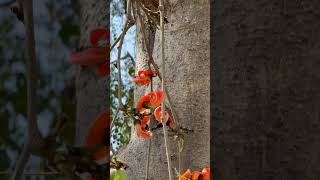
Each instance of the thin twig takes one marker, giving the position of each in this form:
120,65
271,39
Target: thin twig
115,42
21,163
128,23
150,141
114,117
34,135
165,133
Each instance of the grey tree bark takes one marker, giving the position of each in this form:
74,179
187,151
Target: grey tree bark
92,92
266,90
187,80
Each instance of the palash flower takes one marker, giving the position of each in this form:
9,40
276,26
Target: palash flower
168,119
186,175
204,175
140,128
152,99
196,175
144,77
97,133
95,55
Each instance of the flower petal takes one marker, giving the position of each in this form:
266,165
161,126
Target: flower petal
98,129
141,81
90,56
143,101
157,98
157,113
140,132
206,173
196,175
145,120
186,175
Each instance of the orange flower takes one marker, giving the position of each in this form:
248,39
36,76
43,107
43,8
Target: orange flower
144,121
158,116
186,175
144,77
96,56
142,132
206,173
152,99
97,133
196,175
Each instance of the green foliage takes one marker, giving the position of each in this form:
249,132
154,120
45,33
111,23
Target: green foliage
122,126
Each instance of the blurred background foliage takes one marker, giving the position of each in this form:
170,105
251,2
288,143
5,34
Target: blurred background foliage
57,33
121,131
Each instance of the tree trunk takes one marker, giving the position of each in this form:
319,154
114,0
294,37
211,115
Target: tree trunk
266,90
92,89
92,96
187,80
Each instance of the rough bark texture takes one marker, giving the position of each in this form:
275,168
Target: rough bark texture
187,79
266,90
92,97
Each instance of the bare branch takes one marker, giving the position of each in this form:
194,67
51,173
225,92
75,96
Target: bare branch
127,25
21,163
34,139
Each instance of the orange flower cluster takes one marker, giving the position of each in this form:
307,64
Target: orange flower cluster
196,175
150,100
95,55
